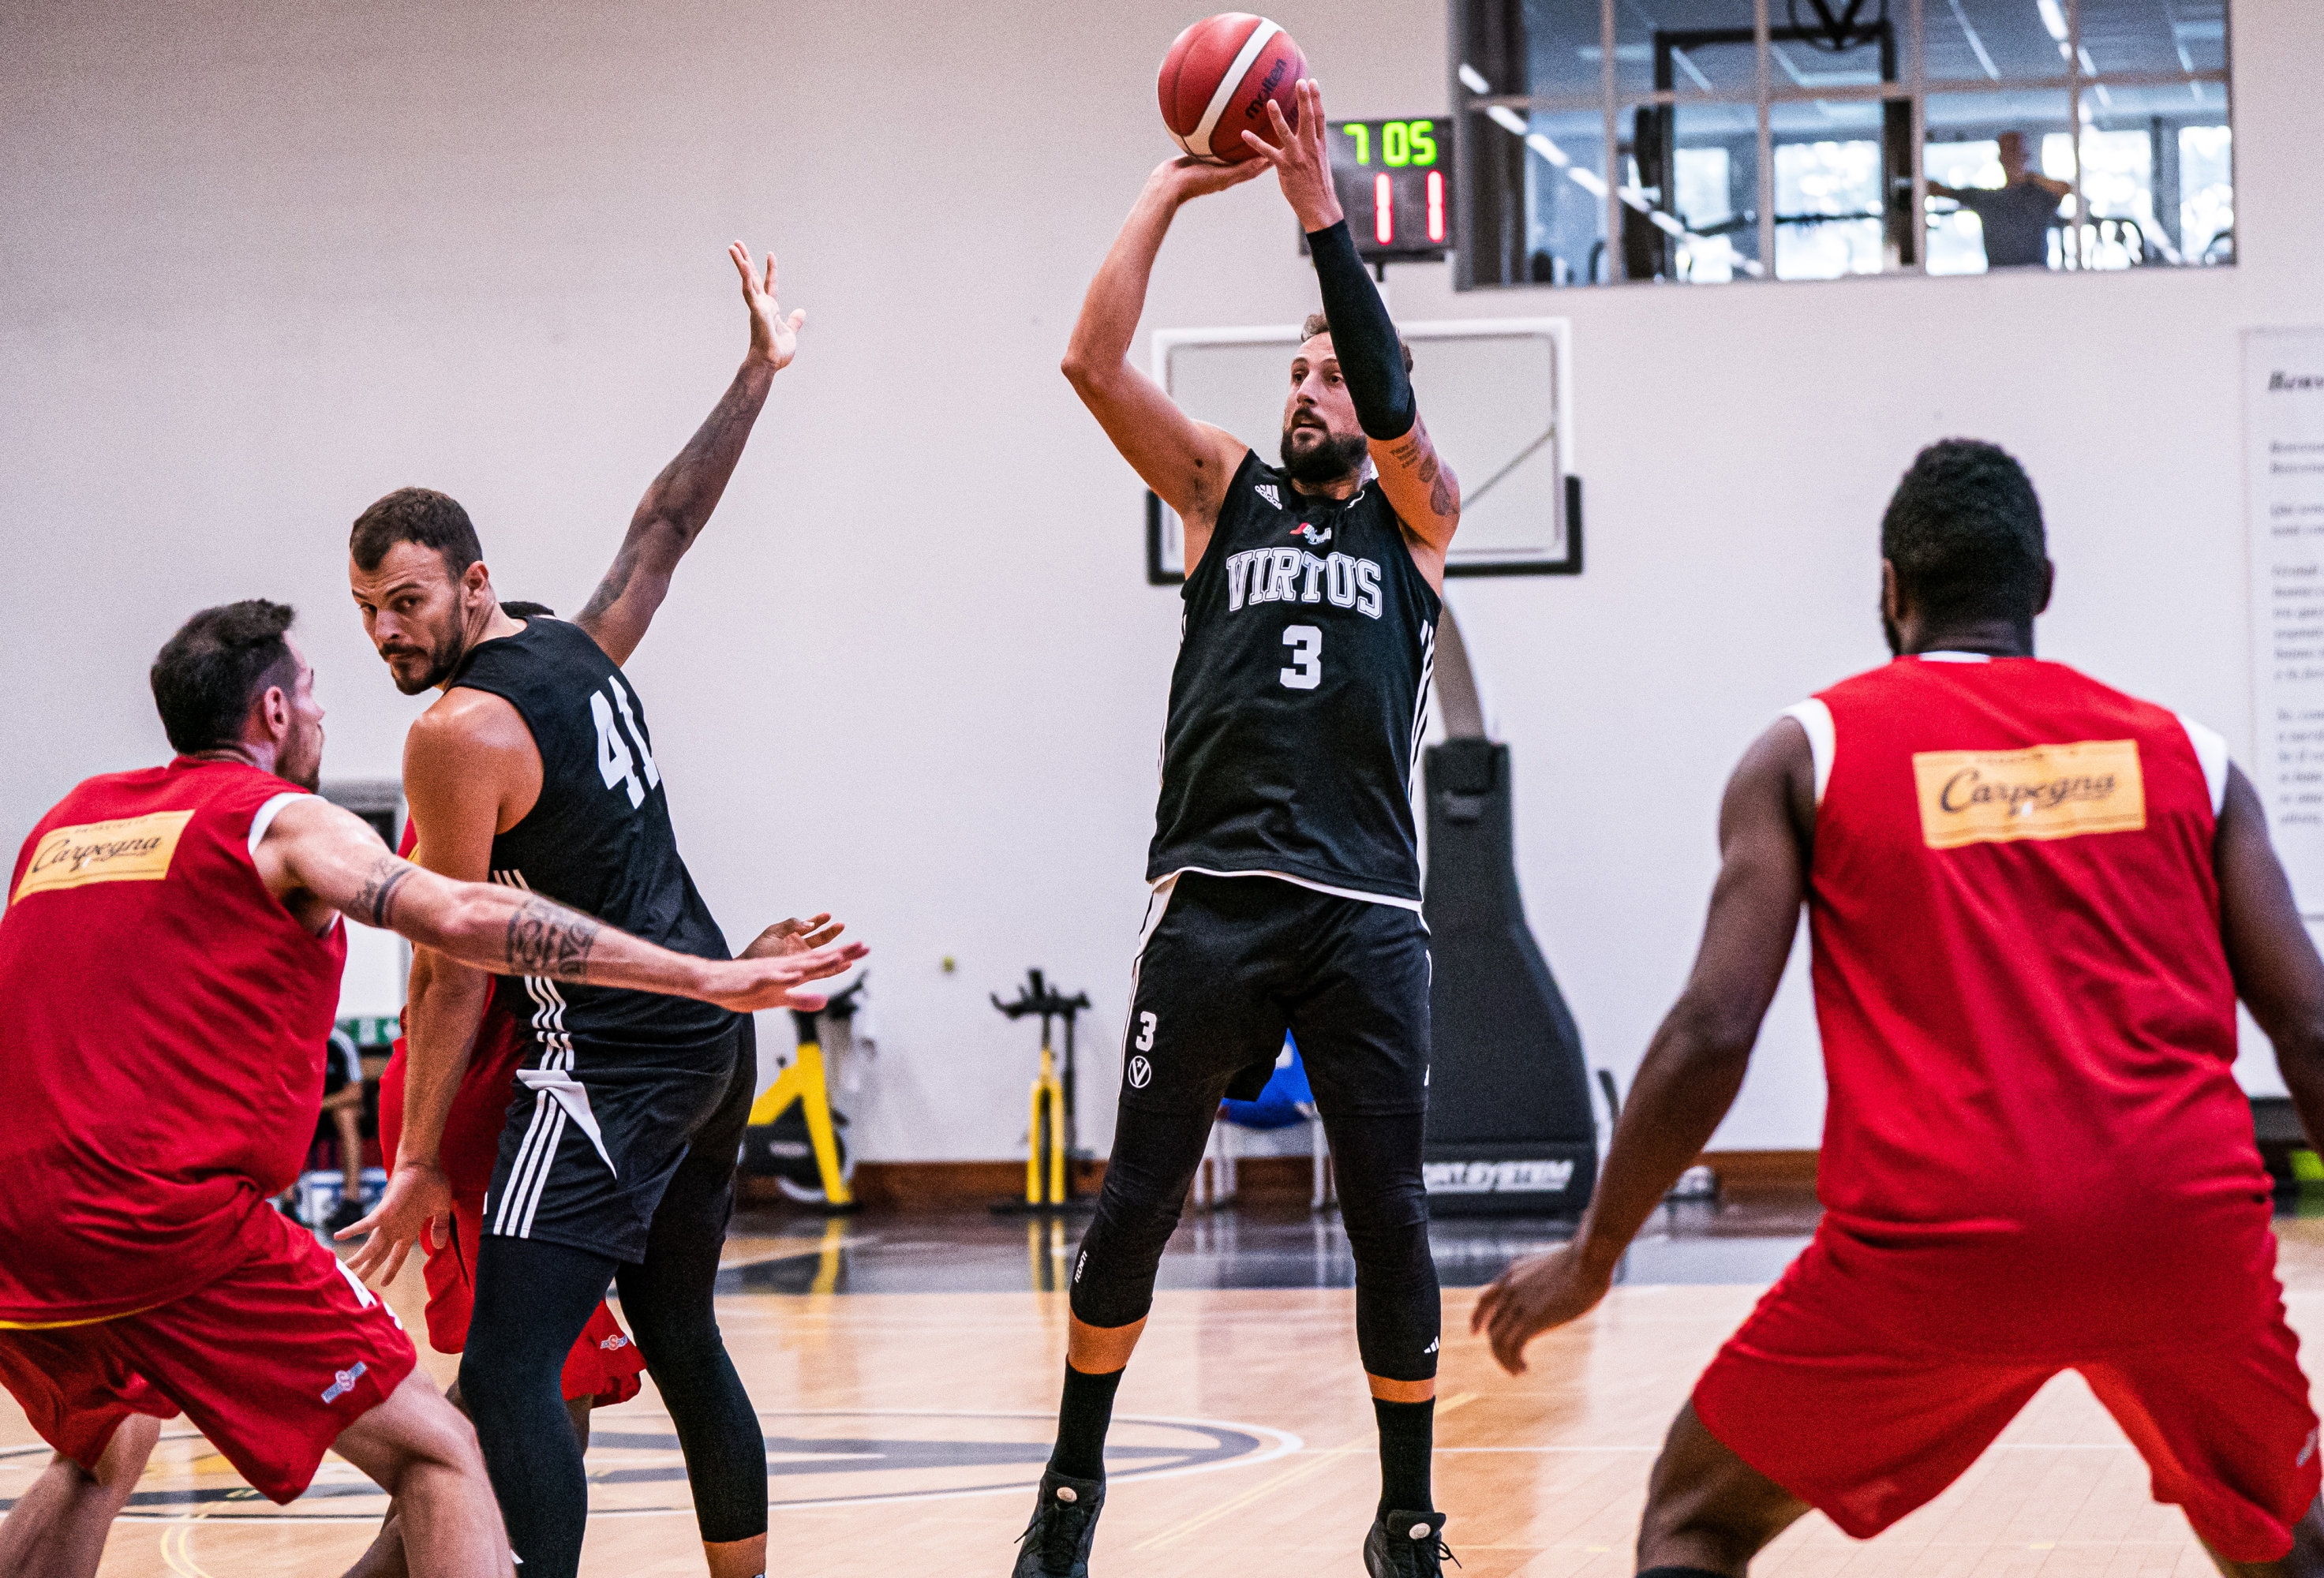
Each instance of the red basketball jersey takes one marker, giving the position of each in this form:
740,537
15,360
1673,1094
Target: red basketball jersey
161,1050
2029,1026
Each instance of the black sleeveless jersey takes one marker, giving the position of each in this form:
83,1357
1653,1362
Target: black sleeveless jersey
599,837
1300,692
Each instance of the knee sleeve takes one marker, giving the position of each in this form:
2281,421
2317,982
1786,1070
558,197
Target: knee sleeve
1384,1205
1154,1159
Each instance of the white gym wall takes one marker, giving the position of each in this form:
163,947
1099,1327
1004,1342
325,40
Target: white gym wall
260,262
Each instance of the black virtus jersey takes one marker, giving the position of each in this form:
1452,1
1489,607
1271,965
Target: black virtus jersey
598,839
1300,692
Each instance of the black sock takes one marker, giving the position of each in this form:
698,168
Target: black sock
1408,1434
1082,1414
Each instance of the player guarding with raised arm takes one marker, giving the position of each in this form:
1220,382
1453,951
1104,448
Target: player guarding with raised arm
2034,902
1285,865
617,1160
170,958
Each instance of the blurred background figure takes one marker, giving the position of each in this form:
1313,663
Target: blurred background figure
2015,215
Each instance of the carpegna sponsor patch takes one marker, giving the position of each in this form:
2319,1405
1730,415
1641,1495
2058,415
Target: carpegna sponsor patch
2049,791
135,849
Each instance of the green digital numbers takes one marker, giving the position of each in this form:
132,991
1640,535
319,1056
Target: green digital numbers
1402,144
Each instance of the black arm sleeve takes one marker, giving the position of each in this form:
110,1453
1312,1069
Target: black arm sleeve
1371,358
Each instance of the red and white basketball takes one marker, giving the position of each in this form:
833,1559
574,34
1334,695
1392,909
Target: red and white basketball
1217,78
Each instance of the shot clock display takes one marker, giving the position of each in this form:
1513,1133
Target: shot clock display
1395,179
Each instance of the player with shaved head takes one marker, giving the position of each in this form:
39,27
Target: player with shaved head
1285,866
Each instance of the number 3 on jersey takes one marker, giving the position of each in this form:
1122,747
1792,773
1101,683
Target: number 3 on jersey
1306,670
616,765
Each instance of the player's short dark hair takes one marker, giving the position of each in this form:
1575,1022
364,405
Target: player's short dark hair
517,608
1318,324
208,673
1964,530
420,515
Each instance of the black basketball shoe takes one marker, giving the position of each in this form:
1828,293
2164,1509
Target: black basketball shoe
1056,1543
1407,1544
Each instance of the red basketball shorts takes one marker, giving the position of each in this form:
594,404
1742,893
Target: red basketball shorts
603,1365
271,1361
1838,1388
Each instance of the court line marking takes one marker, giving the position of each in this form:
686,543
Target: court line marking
1171,1534
1284,1443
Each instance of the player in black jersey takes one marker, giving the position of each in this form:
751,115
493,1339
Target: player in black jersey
1284,861
537,768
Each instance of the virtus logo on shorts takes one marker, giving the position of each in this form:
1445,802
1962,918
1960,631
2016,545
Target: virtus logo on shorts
345,1381
1141,1073
2049,791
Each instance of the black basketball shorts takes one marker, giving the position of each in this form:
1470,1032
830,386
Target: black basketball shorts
595,1134
1231,963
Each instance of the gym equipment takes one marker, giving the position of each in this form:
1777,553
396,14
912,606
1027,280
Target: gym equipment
801,1150
1216,80
1511,1127
1051,1130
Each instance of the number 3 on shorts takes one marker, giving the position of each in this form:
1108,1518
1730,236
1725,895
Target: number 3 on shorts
1306,670
1145,1042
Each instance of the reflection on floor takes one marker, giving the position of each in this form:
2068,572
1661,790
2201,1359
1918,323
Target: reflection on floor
1746,1240
905,1429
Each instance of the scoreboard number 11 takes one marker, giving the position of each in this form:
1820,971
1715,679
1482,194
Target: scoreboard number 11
1393,187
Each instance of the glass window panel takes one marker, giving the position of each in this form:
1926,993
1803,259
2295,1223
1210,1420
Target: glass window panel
2206,195
1983,227
1565,188
1561,49
1828,213
1974,41
2154,35
1716,197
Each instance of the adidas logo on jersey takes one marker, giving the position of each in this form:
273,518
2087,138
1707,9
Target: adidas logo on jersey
1267,490
1316,536
1431,1348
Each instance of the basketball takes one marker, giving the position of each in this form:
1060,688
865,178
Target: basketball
1217,78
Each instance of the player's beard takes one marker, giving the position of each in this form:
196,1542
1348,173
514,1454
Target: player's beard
442,660
1335,458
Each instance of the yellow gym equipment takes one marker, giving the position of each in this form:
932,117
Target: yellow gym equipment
1049,1135
804,1082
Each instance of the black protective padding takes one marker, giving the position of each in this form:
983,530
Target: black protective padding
1510,1126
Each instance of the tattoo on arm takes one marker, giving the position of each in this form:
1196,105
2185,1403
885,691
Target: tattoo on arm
376,900
548,939
1415,452
677,506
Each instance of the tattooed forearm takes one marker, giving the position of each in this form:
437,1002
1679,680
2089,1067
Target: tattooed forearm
376,900
548,939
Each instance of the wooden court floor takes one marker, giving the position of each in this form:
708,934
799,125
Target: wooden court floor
1245,1447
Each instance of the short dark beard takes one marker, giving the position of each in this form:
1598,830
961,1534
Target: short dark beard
442,663
1335,459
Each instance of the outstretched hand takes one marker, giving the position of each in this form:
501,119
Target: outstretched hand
774,338
795,935
778,980
1300,160
1531,1297
1186,177
416,1196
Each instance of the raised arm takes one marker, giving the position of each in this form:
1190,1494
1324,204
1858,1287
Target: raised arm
2277,972
678,505
1420,486
1188,463
1695,1064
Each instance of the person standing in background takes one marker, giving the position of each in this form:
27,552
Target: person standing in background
2015,215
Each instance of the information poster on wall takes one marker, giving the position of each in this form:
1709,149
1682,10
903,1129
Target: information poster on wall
2284,498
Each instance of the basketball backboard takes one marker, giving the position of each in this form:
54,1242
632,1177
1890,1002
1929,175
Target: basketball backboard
1498,397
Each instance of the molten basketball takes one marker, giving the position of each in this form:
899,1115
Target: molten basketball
1217,78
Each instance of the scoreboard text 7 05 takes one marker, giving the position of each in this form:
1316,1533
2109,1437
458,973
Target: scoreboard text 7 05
1395,179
